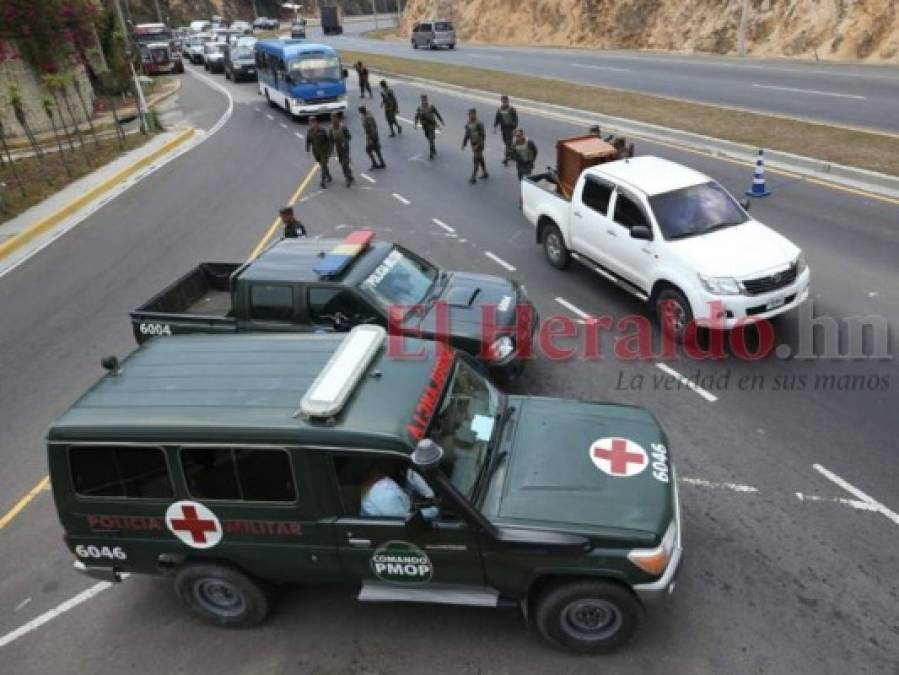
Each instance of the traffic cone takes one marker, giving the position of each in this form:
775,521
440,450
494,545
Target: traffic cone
758,180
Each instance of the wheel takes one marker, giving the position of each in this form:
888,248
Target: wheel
431,45
414,44
588,617
555,249
452,46
222,595
227,74
681,315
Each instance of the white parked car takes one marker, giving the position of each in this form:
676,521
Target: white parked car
669,234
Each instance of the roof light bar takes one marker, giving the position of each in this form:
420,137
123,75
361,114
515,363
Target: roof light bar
337,380
344,253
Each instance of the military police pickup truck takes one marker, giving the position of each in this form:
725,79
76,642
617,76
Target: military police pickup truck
238,463
672,237
309,285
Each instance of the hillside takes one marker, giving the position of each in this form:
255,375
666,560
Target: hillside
826,29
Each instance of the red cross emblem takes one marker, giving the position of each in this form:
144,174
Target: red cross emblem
618,457
194,524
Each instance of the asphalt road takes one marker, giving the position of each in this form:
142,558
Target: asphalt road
770,583
842,94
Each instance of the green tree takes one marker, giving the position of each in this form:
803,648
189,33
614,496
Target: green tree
15,100
47,103
9,160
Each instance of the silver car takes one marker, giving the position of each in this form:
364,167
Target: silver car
434,34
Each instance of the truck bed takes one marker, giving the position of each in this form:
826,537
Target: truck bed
204,291
548,183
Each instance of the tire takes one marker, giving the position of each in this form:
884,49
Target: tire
588,617
683,313
227,74
222,595
554,247
414,44
431,45
452,46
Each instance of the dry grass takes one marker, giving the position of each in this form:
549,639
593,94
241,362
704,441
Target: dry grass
45,177
864,149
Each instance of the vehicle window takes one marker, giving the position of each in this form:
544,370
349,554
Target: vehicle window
696,210
271,302
140,472
443,26
400,280
596,196
628,213
463,424
246,474
325,302
425,27
314,68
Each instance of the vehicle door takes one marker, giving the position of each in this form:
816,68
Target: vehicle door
444,551
334,307
627,257
270,307
589,220
265,501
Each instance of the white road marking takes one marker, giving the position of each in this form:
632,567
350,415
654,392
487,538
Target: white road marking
571,308
858,494
401,199
735,487
408,121
270,117
22,604
815,92
711,398
282,125
499,261
367,177
49,615
298,135
258,109
440,223
487,56
854,503
590,66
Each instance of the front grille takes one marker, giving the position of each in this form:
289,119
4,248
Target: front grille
771,282
758,309
327,99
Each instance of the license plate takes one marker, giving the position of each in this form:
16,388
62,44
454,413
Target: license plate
774,303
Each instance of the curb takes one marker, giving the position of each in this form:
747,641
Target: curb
821,171
17,241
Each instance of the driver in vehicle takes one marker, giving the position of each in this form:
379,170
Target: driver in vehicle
382,494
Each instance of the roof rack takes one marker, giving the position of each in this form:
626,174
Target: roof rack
337,380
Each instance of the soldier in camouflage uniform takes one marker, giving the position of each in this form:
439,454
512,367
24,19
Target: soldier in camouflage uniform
506,119
391,108
340,138
427,115
477,135
372,142
317,140
524,152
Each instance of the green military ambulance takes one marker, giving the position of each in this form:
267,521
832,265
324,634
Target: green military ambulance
238,463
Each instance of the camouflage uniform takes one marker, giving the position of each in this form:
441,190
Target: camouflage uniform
391,110
524,154
477,135
340,141
372,142
428,117
320,144
507,120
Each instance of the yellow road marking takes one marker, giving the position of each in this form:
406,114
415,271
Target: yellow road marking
275,225
43,484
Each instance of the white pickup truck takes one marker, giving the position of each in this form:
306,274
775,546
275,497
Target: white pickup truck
671,236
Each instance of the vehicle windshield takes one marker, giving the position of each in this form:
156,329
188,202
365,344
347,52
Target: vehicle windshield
146,38
314,68
696,210
399,280
463,424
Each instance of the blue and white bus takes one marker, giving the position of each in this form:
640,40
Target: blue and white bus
301,77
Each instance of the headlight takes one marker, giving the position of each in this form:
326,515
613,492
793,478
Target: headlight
655,560
501,348
720,285
800,263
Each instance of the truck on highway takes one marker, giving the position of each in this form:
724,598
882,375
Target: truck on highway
237,464
158,51
330,18
298,285
672,237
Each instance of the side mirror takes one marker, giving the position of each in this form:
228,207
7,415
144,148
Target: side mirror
745,204
641,232
416,521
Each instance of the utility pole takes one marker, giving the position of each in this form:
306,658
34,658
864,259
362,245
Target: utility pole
138,91
158,12
255,10
744,18
374,13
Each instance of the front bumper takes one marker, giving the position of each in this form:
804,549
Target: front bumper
743,308
654,594
109,574
340,105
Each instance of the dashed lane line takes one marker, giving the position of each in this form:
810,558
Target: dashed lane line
814,92
708,396
590,66
853,503
858,494
401,199
734,487
440,223
499,261
298,135
270,117
572,308
282,125
367,177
